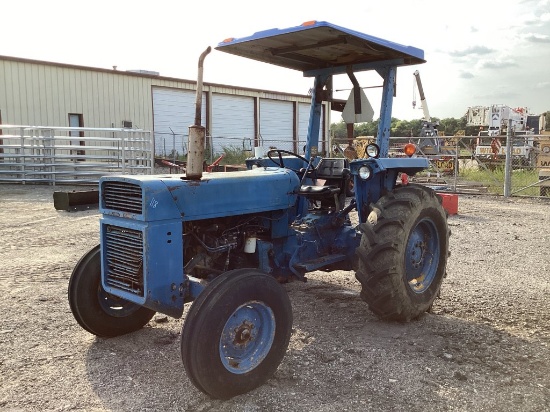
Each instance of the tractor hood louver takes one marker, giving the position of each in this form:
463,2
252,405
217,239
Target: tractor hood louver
123,250
122,196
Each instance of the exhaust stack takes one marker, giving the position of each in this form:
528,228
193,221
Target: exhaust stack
197,132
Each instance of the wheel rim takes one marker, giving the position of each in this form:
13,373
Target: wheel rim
115,306
422,256
247,337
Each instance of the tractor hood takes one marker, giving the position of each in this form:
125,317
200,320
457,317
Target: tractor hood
153,198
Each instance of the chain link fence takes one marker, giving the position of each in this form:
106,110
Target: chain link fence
460,164
477,164
515,165
173,146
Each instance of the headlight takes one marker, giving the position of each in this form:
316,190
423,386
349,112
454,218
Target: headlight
373,150
365,172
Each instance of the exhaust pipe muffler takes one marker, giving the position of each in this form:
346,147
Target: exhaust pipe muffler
197,132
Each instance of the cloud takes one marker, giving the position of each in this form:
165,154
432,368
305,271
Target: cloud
535,4
475,50
466,75
543,85
496,64
536,19
536,38
497,96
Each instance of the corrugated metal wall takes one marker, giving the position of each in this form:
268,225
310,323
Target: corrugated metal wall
42,94
39,93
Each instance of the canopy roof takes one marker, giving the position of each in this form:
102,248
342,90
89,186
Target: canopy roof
321,45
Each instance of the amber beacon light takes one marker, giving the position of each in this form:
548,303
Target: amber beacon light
409,149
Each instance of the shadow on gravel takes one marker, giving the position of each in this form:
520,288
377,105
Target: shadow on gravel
478,218
141,370
340,357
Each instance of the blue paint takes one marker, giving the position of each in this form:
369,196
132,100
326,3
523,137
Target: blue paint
247,337
171,197
413,53
164,286
160,234
422,255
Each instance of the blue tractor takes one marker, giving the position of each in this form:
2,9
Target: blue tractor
226,241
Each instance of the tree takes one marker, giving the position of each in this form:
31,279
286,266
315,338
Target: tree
339,130
367,129
405,128
451,125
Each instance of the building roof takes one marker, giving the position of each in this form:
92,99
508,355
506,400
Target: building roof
140,73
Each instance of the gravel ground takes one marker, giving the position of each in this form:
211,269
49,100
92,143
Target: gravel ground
484,347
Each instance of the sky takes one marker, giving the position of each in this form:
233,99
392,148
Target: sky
478,52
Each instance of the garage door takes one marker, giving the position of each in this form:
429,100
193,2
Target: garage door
232,122
303,123
173,113
277,124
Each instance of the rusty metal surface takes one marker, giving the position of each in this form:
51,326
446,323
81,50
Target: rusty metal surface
75,200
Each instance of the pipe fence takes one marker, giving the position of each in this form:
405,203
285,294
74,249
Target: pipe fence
72,155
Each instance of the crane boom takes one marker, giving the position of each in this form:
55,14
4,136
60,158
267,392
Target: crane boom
429,143
422,97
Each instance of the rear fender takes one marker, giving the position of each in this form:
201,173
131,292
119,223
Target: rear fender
384,173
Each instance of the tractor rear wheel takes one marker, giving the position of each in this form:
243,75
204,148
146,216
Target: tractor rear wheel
97,311
236,333
403,253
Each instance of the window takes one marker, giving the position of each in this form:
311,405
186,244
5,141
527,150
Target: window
76,120
1,140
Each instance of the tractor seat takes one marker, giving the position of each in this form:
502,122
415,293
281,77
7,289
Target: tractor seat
335,172
319,191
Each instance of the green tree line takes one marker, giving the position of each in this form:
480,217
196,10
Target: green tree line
410,128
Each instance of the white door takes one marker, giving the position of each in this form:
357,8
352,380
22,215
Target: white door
277,125
232,122
173,113
303,123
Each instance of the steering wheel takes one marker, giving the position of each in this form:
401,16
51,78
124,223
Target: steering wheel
281,163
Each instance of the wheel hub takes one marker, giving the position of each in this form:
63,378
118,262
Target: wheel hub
422,256
247,337
243,334
418,253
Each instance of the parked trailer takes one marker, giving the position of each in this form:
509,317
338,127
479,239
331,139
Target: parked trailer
493,122
225,241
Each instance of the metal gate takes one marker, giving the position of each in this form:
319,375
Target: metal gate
30,154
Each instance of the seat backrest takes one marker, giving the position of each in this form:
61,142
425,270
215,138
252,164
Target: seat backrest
331,168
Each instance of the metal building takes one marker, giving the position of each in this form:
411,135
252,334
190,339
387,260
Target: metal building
40,93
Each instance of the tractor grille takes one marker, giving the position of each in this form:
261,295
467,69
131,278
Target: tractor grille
124,258
122,196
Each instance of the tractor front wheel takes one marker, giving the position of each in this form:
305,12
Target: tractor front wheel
236,333
403,253
97,311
